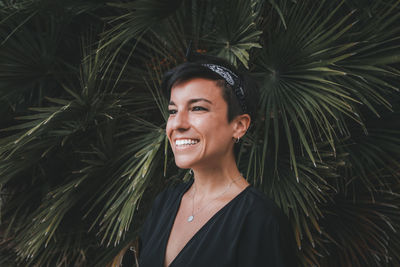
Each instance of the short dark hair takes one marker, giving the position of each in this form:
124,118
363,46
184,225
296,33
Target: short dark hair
195,69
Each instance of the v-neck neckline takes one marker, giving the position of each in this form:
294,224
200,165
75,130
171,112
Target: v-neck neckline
191,240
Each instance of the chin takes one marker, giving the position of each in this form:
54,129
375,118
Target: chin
183,164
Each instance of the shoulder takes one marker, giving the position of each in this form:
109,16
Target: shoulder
261,212
266,237
261,205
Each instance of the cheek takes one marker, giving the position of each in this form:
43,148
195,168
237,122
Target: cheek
214,129
168,130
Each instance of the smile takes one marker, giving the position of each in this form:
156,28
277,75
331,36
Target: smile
186,142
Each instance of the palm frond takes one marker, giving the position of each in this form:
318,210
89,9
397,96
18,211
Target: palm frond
304,93
376,220
83,150
136,18
236,31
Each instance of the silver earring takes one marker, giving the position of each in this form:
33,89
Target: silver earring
237,140
191,171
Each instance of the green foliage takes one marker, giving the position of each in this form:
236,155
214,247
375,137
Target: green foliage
83,150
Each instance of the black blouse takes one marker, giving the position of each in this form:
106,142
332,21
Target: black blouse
248,231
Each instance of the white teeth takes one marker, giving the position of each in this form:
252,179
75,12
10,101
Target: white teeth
182,142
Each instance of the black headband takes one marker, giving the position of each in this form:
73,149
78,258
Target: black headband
233,80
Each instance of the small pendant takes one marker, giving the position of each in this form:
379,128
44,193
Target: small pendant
190,218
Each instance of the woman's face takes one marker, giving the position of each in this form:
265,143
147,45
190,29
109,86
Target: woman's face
198,128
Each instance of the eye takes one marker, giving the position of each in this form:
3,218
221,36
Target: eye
171,111
198,108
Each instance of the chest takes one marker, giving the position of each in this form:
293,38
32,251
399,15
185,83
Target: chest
211,239
184,229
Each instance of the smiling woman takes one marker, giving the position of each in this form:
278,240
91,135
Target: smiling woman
198,118
217,218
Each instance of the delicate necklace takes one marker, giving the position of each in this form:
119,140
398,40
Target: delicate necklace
191,217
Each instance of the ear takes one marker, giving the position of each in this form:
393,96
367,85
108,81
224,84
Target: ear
240,125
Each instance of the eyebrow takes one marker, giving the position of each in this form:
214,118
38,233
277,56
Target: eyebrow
191,101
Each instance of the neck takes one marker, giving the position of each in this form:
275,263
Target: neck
212,179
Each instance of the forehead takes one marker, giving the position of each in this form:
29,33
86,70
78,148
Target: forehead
196,88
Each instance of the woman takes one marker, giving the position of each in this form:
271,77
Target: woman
217,218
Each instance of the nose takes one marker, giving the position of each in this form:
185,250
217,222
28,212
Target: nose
180,121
